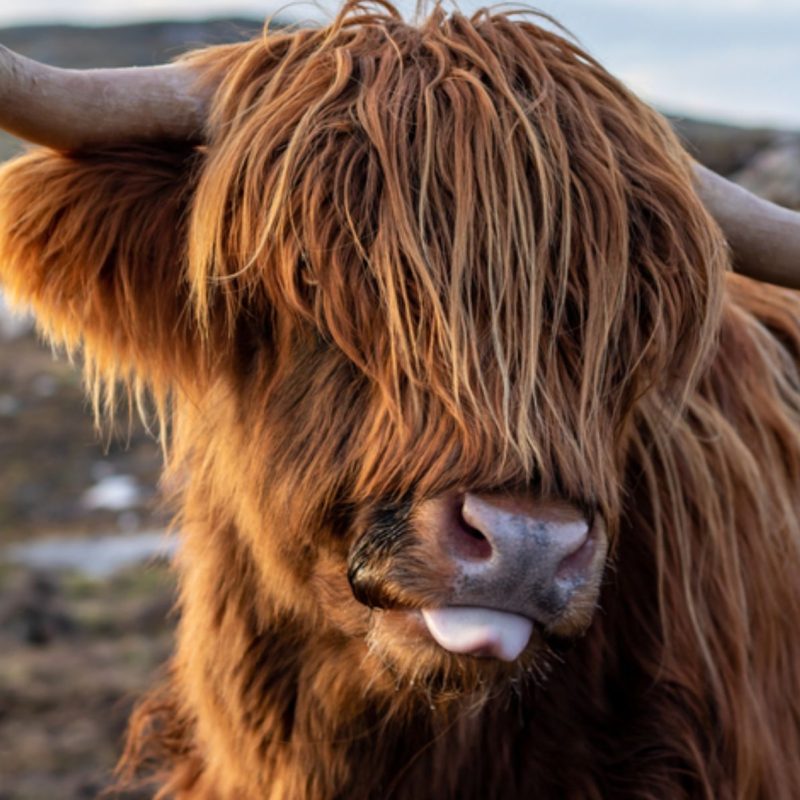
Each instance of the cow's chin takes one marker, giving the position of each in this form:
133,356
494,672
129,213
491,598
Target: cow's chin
403,643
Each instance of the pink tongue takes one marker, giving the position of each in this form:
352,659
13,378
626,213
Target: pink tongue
479,631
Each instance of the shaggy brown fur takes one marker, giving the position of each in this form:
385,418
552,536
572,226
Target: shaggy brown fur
410,259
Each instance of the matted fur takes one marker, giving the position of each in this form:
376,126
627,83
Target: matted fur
412,258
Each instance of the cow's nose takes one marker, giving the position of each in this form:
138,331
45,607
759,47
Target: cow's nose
535,553
538,558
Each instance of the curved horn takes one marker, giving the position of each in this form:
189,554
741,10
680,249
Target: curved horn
70,109
764,238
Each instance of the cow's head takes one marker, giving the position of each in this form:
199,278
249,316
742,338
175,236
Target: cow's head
408,299
452,262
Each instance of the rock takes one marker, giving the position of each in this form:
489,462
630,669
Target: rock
9,405
35,614
115,492
725,149
13,324
774,173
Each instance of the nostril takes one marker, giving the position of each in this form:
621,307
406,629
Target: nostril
471,529
576,564
467,540
473,532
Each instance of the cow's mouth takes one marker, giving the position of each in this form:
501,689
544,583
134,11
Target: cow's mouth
459,631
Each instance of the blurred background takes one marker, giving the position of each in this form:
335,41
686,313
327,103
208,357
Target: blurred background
85,591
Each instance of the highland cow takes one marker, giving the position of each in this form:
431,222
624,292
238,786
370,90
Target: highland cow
486,467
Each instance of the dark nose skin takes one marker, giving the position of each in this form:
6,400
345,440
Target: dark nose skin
535,557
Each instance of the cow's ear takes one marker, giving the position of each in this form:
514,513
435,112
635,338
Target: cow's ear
95,244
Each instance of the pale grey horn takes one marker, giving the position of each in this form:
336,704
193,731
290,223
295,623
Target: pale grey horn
764,238
71,109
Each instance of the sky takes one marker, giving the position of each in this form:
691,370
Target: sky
733,60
